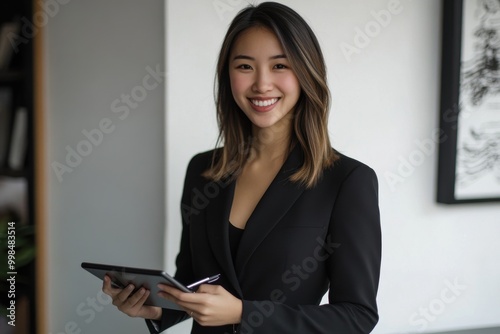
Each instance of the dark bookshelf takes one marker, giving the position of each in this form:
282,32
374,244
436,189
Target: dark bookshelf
17,76
9,77
6,172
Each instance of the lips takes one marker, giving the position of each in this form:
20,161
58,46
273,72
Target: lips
262,105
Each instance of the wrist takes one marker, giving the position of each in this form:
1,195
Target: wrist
238,312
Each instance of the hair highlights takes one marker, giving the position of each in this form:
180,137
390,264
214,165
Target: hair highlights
310,117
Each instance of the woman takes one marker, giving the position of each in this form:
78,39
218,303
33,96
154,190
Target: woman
276,211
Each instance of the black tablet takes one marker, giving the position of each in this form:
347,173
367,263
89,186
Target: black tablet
147,278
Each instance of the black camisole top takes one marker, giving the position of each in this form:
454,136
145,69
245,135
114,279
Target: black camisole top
235,235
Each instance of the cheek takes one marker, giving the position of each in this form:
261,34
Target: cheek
238,84
291,85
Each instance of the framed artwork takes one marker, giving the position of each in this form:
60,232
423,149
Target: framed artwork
469,149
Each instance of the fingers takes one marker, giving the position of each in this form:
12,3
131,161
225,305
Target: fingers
126,300
198,302
209,288
186,300
167,291
208,306
138,298
189,297
124,295
120,297
131,303
107,288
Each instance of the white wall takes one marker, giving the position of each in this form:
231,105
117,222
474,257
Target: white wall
110,207
385,105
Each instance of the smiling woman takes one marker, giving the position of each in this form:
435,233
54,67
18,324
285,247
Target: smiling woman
262,82
291,218
298,57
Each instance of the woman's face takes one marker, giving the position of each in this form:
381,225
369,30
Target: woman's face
262,82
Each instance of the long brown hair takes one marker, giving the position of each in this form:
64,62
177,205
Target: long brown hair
310,119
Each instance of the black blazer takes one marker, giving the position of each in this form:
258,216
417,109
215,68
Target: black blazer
297,244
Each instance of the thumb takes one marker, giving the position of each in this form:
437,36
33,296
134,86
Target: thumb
208,288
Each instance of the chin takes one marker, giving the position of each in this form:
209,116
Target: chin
262,123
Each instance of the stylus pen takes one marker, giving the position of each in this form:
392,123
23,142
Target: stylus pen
205,280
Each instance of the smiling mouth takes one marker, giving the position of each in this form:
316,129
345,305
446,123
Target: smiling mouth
264,103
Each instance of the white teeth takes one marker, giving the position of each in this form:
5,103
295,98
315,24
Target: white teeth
264,103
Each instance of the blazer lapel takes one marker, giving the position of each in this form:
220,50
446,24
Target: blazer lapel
276,201
217,220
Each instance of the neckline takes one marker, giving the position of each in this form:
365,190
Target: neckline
235,227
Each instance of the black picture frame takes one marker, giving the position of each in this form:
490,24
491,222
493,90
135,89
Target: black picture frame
450,108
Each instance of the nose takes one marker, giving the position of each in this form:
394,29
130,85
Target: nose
263,81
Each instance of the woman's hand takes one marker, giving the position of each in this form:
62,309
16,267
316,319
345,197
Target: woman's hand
211,305
131,305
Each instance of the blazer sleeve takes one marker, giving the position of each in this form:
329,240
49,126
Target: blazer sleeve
183,262
353,270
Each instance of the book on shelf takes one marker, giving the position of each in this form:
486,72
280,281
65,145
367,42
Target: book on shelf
9,32
5,112
19,139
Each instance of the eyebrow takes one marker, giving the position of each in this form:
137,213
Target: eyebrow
252,58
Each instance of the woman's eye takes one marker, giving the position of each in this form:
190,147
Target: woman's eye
244,67
280,66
